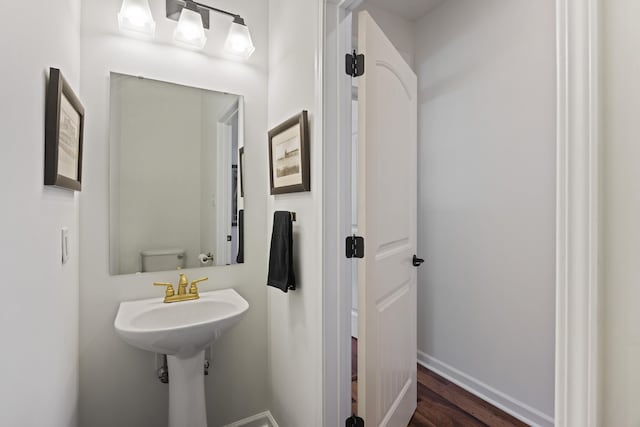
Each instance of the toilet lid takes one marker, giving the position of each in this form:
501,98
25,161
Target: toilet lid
156,252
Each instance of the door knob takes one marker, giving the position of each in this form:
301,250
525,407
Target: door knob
417,261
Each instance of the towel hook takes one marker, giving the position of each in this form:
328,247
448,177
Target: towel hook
293,216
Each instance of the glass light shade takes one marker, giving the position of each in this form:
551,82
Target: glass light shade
190,31
239,41
135,17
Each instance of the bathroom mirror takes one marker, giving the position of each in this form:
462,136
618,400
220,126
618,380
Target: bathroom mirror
175,198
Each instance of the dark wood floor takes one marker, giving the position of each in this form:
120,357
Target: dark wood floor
442,403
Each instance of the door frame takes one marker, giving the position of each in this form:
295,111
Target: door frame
577,213
223,181
337,302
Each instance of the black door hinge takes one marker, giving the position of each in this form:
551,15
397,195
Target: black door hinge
354,421
417,262
354,64
355,247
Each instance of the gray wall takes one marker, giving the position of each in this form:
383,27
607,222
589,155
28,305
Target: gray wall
620,212
486,224
39,357
144,219
118,384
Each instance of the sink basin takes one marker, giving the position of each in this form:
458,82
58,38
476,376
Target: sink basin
180,328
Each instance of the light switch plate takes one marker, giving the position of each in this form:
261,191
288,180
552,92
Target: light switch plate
65,244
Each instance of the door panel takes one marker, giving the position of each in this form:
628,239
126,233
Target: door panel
387,193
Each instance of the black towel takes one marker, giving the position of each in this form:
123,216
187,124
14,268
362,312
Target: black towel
240,257
281,273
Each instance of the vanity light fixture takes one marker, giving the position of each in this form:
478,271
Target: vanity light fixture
239,41
193,18
190,29
135,18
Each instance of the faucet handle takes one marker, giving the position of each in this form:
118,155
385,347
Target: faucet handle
193,289
170,291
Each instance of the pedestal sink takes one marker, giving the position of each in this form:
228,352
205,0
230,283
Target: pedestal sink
182,331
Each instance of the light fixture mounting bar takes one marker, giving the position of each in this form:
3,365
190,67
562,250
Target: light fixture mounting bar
224,12
174,7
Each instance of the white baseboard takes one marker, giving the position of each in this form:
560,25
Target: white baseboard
263,419
354,323
497,398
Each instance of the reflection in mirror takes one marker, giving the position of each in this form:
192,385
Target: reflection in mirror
174,196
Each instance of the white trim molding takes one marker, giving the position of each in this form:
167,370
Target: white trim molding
337,209
354,323
577,284
508,404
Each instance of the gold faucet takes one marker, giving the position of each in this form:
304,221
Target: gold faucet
183,295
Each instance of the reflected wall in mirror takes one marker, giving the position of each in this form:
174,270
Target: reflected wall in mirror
174,196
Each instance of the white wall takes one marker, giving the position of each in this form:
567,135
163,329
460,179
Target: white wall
620,211
295,318
39,357
486,219
118,383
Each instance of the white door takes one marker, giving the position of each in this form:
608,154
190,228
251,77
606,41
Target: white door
387,210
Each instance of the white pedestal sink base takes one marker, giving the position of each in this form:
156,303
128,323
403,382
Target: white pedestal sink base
181,328
186,391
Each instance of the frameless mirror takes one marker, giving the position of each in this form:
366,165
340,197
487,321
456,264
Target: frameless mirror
175,193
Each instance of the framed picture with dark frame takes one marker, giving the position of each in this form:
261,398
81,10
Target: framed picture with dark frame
64,128
289,156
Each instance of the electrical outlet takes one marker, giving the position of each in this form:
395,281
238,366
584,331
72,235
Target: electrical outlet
65,244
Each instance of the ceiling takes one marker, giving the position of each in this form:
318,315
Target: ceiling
411,10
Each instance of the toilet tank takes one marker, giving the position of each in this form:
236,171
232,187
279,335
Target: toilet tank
162,259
